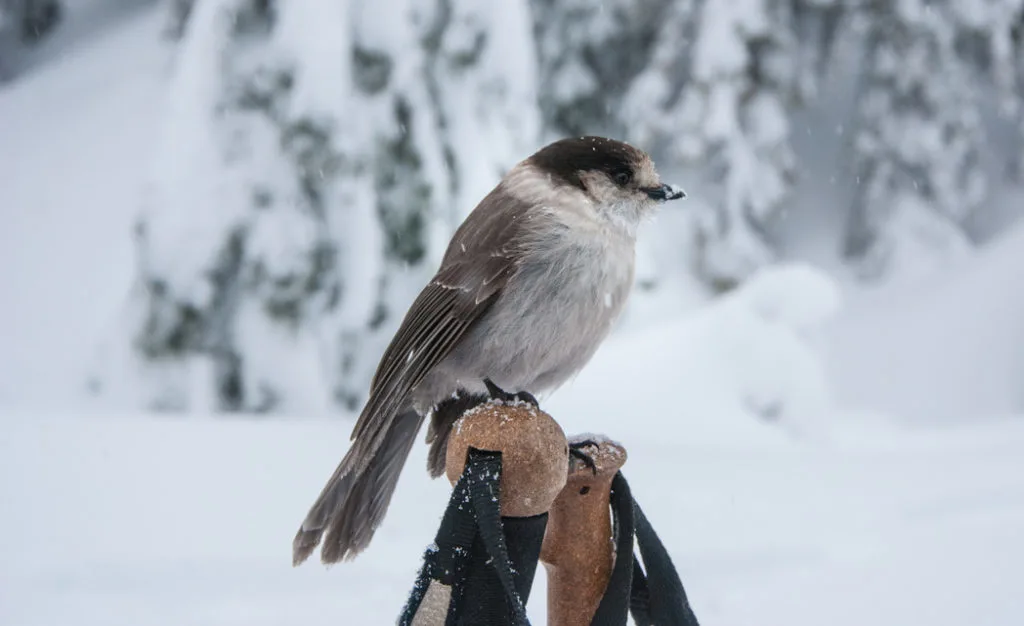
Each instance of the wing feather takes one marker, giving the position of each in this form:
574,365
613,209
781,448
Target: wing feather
482,256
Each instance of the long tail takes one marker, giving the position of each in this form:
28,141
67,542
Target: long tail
355,499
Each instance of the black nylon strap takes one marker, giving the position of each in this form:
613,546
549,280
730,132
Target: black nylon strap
640,596
614,607
669,605
652,598
485,601
488,561
447,560
419,589
483,469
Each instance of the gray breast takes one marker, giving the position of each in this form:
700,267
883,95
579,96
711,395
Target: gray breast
553,314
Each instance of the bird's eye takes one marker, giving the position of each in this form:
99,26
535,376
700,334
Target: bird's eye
622,178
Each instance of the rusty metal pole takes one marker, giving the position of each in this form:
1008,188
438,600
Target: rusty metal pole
578,550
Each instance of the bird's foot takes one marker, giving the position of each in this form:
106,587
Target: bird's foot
497,393
576,452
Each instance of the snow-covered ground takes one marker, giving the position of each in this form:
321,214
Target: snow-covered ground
131,519
784,441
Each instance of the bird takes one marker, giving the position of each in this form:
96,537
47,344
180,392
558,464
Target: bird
530,285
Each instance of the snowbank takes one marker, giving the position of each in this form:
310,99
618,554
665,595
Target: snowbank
734,369
942,349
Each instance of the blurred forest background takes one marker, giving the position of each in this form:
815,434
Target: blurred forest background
316,155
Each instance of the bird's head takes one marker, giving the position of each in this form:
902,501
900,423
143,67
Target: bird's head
620,181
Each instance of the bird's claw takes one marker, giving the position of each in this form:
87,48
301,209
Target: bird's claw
575,451
527,397
497,393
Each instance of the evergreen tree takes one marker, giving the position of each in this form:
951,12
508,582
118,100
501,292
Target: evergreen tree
990,36
178,13
920,142
319,155
23,23
314,166
589,53
717,96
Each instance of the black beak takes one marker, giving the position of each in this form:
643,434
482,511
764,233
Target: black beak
665,192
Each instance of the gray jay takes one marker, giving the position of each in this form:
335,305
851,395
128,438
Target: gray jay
528,288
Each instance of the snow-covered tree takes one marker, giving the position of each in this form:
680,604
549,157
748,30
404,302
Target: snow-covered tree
31,19
178,13
316,158
990,36
920,142
589,53
319,154
717,95
1015,85
22,23
482,86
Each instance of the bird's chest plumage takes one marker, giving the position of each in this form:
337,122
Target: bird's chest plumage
554,313
579,291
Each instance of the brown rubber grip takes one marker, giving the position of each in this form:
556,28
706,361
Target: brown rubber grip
578,550
534,453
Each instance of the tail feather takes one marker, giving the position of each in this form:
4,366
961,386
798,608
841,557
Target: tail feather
353,502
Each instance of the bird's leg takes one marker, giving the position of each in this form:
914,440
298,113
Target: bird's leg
497,393
459,402
575,451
